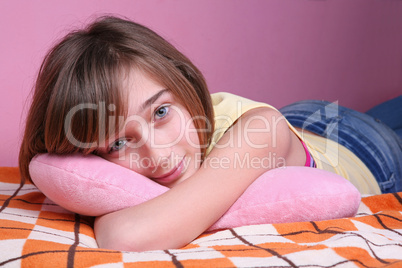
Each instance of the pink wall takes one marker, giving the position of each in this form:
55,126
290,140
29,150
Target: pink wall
276,51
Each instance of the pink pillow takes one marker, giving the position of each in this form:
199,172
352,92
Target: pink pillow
92,186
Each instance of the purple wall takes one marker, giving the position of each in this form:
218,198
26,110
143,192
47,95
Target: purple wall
275,51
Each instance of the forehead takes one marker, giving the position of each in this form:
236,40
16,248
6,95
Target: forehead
140,80
139,86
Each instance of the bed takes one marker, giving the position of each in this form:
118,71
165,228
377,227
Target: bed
34,232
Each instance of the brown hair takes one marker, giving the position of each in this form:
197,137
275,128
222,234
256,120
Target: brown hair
86,67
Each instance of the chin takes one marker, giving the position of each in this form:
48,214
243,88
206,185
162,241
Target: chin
176,182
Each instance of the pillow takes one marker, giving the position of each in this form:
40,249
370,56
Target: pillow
93,186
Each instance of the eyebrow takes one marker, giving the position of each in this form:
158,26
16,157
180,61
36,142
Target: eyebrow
152,99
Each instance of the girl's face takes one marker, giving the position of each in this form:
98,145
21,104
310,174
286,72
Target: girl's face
159,139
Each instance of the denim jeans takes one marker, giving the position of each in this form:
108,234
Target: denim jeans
376,144
390,113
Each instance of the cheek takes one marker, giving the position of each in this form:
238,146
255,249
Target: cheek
176,130
179,131
122,160
192,136
169,134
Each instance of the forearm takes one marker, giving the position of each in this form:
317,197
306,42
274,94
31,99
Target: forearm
173,219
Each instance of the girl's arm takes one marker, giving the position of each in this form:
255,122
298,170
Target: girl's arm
178,216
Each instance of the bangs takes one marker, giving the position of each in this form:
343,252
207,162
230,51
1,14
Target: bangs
105,115
91,102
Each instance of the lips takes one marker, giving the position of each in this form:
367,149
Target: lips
171,175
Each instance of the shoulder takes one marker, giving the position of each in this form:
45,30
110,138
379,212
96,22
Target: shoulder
269,122
226,100
229,108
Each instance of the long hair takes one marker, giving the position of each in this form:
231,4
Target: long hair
86,69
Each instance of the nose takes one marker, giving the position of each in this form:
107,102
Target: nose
154,156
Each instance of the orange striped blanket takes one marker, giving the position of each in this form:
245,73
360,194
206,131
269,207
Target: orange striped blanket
34,232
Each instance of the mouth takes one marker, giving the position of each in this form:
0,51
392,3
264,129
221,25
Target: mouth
171,175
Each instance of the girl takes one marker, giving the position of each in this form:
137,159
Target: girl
119,90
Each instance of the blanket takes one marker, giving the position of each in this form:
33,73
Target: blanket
35,232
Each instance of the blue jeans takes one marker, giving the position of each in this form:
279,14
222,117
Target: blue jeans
375,143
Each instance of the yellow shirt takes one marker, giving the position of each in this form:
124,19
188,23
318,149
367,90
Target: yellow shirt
327,154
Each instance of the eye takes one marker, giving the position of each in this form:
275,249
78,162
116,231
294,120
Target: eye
117,145
161,112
